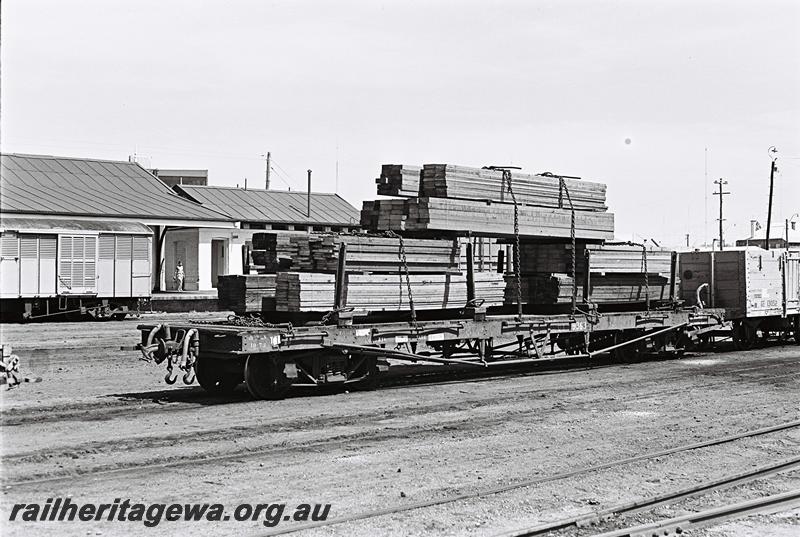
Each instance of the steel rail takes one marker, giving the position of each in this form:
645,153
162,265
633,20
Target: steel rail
710,517
533,481
636,506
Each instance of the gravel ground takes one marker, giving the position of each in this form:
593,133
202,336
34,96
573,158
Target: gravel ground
103,425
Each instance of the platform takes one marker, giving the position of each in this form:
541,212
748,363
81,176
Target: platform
184,301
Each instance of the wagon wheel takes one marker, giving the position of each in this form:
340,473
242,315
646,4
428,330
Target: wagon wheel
265,378
214,379
571,346
370,382
628,353
745,336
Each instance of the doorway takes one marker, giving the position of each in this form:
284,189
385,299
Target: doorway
219,261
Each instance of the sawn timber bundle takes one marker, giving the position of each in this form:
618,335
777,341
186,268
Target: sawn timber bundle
461,182
376,254
251,293
550,289
399,180
482,218
307,291
497,219
617,259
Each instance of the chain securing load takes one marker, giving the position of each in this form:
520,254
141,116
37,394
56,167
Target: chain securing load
401,254
644,267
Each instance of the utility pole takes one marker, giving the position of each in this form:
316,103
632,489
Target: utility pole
773,152
705,196
308,206
269,156
720,193
687,240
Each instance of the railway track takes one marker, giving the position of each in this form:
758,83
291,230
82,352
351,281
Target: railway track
536,481
159,460
173,400
711,517
647,504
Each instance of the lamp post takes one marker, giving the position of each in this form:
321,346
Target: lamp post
773,153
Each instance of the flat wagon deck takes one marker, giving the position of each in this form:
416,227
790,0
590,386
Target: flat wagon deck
271,358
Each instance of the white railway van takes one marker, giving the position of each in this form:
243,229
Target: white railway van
68,268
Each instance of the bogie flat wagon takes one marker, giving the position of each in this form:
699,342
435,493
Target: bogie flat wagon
348,347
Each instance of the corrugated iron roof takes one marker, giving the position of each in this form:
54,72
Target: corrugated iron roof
52,225
39,184
276,206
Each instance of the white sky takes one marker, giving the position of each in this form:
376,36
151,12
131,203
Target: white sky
549,86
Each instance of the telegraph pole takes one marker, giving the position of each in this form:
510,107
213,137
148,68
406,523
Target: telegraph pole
720,193
269,156
773,152
308,196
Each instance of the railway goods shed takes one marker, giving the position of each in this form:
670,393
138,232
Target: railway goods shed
93,230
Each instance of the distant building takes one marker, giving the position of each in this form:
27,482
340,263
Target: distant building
256,209
276,209
48,192
181,177
777,238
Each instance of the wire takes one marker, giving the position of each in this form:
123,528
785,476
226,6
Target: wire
283,172
279,177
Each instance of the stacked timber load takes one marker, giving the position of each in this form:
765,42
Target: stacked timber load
367,253
458,199
381,254
625,259
384,215
551,289
399,180
250,293
272,252
461,182
497,219
303,291
618,259
302,260
617,274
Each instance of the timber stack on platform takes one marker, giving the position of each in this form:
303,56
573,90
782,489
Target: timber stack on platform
250,293
272,252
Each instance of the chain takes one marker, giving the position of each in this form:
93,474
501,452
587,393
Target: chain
562,187
644,267
331,313
238,320
402,255
517,273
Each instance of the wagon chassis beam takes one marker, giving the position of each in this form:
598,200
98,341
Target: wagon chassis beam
540,358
